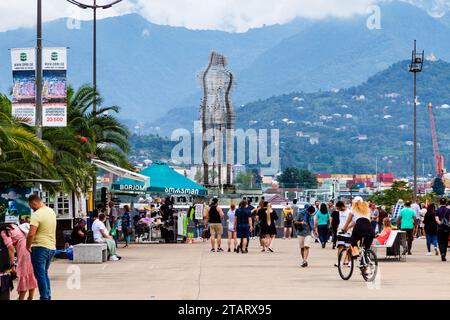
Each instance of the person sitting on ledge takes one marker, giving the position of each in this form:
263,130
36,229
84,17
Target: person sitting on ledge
383,237
101,235
78,233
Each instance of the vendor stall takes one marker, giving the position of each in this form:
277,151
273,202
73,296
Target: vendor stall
164,180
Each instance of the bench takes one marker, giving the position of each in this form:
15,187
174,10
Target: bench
90,253
395,245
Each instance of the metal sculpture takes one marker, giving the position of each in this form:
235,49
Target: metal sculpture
217,116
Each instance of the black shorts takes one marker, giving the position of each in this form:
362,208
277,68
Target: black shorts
362,229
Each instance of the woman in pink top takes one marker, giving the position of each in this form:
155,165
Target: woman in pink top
15,237
384,235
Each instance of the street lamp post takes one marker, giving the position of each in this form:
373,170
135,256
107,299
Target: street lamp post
39,71
415,67
94,8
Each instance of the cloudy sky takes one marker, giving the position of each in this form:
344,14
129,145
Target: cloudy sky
228,15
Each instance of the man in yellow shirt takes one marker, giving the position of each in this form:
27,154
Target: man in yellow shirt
41,242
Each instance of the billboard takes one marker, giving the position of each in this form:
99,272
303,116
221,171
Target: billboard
24,85
54,87
14,204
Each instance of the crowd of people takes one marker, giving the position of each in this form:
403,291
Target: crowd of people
322,222
34,242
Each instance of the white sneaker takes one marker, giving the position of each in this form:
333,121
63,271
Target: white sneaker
113,258
428,253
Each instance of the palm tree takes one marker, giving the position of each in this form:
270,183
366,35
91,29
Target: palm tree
107,137
88,135
64,153
22,154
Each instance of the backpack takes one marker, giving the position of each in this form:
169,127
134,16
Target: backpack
289,217
90,236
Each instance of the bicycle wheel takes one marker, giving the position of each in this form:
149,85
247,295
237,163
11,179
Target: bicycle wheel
345,264
371,268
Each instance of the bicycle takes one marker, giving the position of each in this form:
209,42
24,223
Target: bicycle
368,263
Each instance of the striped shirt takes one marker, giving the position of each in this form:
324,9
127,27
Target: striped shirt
396,211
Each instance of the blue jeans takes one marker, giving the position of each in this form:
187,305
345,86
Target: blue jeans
431,239
323,233
198,229
374,225
41,258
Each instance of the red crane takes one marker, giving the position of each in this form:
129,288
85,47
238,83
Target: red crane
438,158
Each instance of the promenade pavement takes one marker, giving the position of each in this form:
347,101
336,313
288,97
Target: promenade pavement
190,271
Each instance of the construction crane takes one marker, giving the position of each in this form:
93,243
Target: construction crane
438,158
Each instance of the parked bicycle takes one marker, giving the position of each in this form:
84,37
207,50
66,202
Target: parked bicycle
368,263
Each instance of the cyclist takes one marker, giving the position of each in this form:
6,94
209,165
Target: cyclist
360,213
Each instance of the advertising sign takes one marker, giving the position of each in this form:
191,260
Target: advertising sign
54,88
14,204
24,85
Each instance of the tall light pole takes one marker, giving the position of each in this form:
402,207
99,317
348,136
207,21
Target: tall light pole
94,8
415,67
39,71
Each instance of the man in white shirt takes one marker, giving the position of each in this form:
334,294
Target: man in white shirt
101,235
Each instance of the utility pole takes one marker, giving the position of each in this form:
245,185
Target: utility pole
94,8
39,71
415,67
94,59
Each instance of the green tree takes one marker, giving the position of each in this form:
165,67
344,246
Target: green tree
245,180
389,197
438,186
301,178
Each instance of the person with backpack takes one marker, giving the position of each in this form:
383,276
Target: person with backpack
304,229
431,228
214,216
15,239
288,221
443,229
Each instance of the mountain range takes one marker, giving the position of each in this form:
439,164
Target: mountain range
365,128
148,69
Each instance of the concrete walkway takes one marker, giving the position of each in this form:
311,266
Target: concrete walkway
190,271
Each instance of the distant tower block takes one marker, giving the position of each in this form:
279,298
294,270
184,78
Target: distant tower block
216,113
